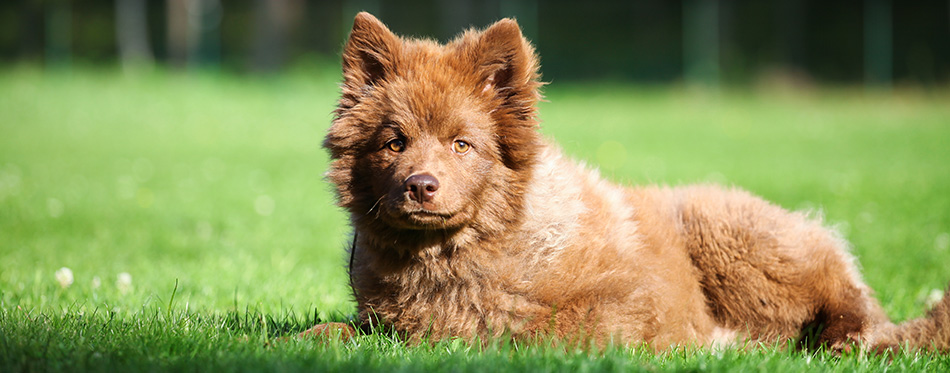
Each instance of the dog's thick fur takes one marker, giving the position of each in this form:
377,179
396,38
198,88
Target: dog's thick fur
503,236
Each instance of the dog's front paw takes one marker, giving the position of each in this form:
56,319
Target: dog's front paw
845,347
330,330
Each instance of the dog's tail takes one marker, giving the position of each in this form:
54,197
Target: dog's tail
931,332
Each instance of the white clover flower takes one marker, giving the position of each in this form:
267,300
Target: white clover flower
65,277
55,208
96,282
124,283
934,297
942,242
264,205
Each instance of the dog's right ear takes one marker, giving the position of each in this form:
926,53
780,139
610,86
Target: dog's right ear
370,53
506,59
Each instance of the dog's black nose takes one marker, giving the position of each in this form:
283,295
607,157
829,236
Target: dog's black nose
422,187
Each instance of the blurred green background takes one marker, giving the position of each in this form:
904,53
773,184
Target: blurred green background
879,42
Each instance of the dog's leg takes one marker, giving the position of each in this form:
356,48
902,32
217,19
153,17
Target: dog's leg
343,332
772,272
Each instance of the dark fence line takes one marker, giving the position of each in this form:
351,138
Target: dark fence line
878,42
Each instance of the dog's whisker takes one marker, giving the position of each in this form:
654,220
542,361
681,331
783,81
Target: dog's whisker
373,207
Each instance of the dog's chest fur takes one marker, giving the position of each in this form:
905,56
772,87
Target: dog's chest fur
519,280
440,292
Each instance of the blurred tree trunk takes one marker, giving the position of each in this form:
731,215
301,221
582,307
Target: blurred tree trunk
455,15
323,30
701,42
273,22
177,29
878,48
59,32
194,32
791,46
132,33
31,31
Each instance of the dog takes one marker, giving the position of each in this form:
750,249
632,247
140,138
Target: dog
468,223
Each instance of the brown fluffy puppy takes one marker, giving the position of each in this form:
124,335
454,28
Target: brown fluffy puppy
468,223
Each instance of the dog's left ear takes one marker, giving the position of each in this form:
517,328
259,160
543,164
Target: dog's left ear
506,60
507,69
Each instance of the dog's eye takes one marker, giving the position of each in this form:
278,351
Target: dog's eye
460,146
396,145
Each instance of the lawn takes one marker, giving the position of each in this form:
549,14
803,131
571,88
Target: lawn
191,213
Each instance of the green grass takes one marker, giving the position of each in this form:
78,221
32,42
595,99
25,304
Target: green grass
207,190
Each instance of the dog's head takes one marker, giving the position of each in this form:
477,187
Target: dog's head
429,136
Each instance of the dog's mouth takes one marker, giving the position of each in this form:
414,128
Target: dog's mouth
422,219
426,218
402,212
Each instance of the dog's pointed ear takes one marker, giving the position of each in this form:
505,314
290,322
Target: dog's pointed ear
370,53
506,69
506,60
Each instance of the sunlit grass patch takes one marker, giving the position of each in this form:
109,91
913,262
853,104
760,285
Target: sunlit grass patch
168,221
